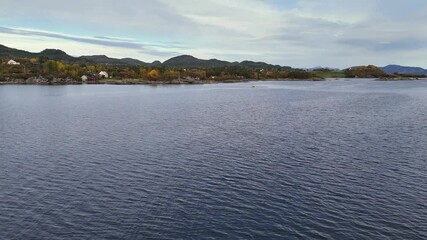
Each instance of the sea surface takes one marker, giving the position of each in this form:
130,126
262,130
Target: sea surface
340,159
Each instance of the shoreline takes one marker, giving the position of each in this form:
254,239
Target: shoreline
58,82
146,82
394,79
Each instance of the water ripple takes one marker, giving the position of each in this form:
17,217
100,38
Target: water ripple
336,160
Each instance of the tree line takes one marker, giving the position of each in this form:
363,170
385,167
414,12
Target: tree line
44,67
35,67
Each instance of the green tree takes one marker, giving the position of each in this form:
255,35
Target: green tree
49,67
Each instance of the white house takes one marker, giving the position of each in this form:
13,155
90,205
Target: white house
103,74
12,62
84,78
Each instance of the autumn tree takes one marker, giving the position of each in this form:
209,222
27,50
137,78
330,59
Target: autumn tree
34,60
154,74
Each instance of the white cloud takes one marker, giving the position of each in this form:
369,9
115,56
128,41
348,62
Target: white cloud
338,10
308,33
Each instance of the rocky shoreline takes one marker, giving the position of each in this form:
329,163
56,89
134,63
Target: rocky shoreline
399,79
70,81
41,81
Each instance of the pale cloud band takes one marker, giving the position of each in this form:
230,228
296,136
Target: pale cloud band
144,48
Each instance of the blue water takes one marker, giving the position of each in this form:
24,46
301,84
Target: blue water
281,160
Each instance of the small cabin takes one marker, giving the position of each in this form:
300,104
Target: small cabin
84,78
103,74
13,62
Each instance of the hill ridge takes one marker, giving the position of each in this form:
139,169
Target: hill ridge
180,61
394,68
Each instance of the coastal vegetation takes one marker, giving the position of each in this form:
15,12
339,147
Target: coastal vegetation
49,71
328,73
56,67
369,71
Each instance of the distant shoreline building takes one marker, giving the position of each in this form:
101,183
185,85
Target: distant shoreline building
103,74
13,62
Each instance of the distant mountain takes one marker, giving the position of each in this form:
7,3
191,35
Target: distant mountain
132,61
59,55
12,52
102,59
56,54
184,61
390,69
187,61
251,64
190,61
156,63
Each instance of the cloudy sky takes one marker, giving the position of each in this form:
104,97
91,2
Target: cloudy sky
299,33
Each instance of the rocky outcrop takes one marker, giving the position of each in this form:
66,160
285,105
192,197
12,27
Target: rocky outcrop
40,80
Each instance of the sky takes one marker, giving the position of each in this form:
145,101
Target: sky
297,33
